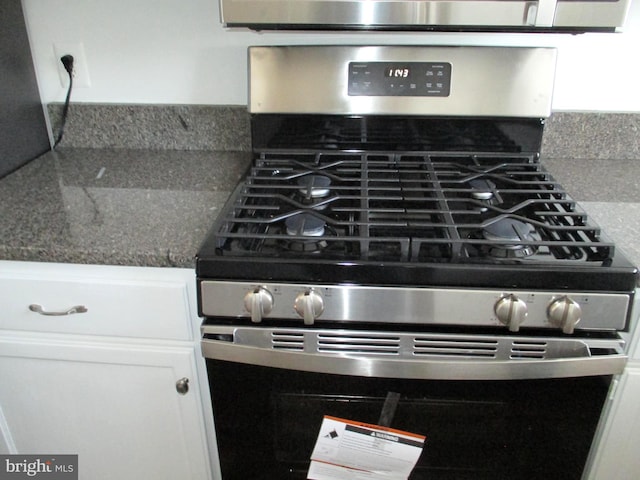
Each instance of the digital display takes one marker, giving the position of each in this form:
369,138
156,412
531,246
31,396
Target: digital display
400,79
397,72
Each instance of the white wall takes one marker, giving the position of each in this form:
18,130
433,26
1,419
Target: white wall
176,52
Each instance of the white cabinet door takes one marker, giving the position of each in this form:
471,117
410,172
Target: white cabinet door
116,406
617,455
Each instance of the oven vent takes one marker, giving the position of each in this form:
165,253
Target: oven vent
287,341
529,349
455,347
358,344
408,345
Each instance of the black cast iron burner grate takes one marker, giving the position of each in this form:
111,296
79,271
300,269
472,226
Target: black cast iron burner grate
407,207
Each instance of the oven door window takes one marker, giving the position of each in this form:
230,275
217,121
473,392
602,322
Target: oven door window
267,421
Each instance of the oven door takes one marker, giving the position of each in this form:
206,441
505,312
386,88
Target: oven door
269,402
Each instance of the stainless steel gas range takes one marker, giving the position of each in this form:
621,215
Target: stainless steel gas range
397,232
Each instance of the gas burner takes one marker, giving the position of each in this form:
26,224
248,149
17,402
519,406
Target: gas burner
483,191
313,191
305,225
511,230
306,246
314,186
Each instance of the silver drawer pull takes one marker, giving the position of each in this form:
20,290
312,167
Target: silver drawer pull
38,309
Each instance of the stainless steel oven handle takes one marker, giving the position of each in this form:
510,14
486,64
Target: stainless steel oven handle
433,369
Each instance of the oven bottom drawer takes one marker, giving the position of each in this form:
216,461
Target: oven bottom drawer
267,421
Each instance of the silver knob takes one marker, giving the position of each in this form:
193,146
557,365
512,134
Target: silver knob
182,386
511,311
565,313
309,305
258,302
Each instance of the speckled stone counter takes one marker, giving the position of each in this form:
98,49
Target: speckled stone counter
609,191
115,206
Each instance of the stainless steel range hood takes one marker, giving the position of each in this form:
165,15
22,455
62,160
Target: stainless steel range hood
430,15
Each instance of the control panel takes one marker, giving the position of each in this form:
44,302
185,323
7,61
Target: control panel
418,79
514,310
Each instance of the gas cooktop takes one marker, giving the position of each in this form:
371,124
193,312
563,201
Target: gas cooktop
476,209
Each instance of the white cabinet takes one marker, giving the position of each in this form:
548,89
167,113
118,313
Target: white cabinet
104,384
617,455
115,406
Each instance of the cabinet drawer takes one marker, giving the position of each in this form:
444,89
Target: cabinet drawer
119,301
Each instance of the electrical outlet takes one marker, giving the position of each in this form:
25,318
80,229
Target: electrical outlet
80,70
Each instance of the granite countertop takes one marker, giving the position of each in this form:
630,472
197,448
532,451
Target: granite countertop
154,207
115,206
609,191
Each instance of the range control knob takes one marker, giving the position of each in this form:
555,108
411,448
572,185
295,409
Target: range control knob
565,313
309,305
511,311
258,302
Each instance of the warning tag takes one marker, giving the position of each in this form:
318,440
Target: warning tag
349,450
